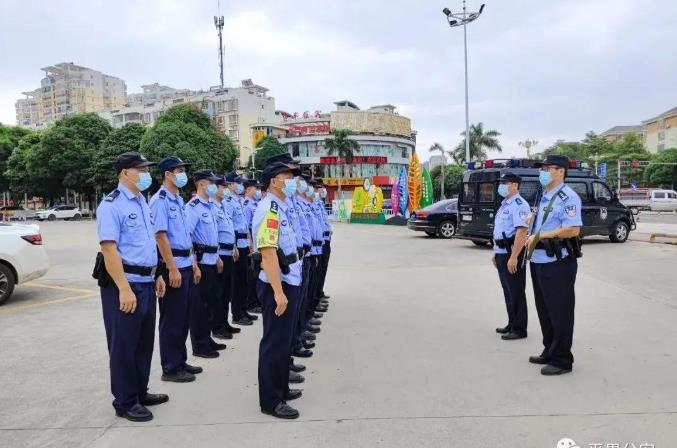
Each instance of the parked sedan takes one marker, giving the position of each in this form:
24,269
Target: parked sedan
60,212
438,219
22,257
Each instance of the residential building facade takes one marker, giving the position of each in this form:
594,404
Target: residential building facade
661,131
618,132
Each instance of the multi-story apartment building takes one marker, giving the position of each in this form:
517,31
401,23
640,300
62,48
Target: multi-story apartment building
68,89
617,132
661,131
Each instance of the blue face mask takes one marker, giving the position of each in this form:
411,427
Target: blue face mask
289,187
317,196
311,190
503,190
239,189
211,190
544,177
180,180
257,195
303,186
323,194
144,181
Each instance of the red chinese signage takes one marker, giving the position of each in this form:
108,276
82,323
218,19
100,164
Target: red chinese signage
358,159
321,128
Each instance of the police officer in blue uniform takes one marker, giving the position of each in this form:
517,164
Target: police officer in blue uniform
326,247
252,196
179,270
510,233
553,248
127,239
317,206
233,205
205,236
228,253
278,288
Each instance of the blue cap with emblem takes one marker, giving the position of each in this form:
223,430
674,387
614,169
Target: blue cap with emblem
233,178
556,160
131,160
284,157
205,174
510,177
170,163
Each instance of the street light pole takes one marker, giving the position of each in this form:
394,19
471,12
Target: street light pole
458,19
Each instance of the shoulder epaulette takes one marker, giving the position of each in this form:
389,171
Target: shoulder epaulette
228,198
193,202
163,194
273,206
562,195
114,194
519,201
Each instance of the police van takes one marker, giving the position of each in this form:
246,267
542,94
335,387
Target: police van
478,200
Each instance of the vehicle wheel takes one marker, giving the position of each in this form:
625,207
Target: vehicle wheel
446,229
634,210
480,243
620,232
6,283
51,217
77,217
431,234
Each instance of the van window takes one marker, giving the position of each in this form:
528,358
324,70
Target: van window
469,192
672,195
580,188
601,191
659,195
529,191
487,192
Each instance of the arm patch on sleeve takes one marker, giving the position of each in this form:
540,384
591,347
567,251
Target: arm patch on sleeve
268,234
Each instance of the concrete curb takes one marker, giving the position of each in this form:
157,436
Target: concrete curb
653,237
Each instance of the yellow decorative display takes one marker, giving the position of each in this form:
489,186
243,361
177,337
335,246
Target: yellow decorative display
415,186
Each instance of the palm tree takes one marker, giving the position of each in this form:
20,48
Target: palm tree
344,147
528,144
480,143
436,147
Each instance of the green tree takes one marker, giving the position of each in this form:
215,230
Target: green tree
9,141
18,170
188,133
663,175
344,148
528,144
267,147
125,139
436,147
453,176
480,143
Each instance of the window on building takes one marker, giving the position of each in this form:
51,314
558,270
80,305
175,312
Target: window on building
405,153
661,147
295,150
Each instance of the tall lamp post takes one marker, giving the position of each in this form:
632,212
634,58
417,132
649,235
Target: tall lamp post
456,19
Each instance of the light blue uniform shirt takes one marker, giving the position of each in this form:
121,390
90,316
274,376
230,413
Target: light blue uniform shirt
170,217
249,207
224,224
319,226
303,220
295,221
271,227
566,212
511,215
326,225
234,207
311,222
126,219
202,226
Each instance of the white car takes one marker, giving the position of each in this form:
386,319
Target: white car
22,256
60,212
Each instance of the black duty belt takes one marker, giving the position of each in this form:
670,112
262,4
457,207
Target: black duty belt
289,259
205,249
181,252
317,243
299,252
326,233
139,270
241,235
307,247
225,246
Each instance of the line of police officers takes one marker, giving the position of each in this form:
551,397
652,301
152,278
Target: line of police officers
549,240
253,254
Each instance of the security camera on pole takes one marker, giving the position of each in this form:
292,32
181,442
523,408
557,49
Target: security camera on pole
462,19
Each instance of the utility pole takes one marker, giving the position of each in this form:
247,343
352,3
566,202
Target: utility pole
218,23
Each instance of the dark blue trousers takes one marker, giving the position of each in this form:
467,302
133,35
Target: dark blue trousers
202,297
314,285
324,265
174,322
239,285
130,340
555,302
222,295
276,343
302,321
514,286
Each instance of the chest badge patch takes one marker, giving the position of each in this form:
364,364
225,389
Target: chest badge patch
132,216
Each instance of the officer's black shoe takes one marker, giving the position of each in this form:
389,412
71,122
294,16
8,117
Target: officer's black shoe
318,315
222,335
297,368
317,322
293,394
136,413
324,296
180,376
308,335
503,330
513,336
211,354
256,310
313,329
295,378
551,370
192,369
322,309
303,353
251,317
283,410
308,344
230,329
538,359
243,321
153,399
218,347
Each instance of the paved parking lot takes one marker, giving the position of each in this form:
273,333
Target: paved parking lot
407,357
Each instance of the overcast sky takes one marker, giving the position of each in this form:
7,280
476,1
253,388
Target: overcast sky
539,69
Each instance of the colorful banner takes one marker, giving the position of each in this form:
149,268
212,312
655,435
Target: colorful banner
402,193
395,198
414,187
427,197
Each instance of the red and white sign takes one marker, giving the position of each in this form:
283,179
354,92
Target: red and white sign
319,128
330,160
